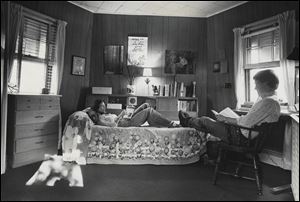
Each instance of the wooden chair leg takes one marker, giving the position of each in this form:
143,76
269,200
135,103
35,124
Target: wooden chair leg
237,170
257,174
217,166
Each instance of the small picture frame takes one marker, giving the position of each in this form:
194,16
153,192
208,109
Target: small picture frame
78,65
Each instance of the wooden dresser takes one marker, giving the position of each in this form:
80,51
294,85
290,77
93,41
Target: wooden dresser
33,124
295,156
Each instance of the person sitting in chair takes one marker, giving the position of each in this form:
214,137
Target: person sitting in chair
140,115
266,109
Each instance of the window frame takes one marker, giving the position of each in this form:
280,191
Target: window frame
255,29
19,56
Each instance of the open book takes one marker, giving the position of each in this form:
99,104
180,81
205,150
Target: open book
227,112
129,112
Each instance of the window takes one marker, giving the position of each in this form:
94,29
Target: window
261,53
34,55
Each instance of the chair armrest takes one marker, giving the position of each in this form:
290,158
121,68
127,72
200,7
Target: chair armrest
235,132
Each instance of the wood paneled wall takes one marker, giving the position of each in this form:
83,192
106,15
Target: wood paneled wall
78,42
220,40
88,33
163,33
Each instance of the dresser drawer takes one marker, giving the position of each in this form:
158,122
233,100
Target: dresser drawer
49,106
25,158
50,100
27,117
28,103
27,144
32,130
28,106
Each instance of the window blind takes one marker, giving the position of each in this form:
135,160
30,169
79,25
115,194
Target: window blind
262,48
39,40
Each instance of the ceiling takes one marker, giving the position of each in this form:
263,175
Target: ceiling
159,8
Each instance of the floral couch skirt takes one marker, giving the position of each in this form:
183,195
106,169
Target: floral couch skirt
85,142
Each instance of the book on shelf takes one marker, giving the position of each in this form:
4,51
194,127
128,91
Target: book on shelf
175,89
171,90
167,90
187,105
161,90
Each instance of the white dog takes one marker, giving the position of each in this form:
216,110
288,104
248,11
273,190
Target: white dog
53,168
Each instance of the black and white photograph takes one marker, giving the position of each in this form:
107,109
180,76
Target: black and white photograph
179,62
149,100
78,65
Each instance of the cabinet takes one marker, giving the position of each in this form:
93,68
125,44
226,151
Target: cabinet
167,106
295,156
33,124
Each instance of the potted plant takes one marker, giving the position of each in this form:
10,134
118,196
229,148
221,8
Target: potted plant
131,88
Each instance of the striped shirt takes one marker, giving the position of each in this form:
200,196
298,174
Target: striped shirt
264,110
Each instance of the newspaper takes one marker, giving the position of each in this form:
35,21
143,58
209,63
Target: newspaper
227,112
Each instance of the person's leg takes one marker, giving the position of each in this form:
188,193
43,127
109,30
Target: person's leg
153,117
156,119
207,124
140,117
140,108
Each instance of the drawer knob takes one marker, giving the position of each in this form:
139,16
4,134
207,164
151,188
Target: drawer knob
39,129
38,116
39,142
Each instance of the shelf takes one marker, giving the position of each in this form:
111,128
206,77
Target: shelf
145,96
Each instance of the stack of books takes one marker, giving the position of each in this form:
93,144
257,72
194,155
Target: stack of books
176,89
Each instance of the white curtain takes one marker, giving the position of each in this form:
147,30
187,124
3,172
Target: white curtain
12,14
239,73
59,65
287,25
60,51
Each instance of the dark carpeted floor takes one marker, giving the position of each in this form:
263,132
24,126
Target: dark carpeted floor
145,182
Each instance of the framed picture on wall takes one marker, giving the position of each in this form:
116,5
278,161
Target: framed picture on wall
179,62
113,59
78,65
137,51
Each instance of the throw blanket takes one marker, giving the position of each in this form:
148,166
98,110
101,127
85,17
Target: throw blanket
85,142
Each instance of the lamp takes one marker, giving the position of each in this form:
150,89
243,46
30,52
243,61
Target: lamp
147,72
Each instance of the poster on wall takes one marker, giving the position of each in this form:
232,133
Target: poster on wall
137,51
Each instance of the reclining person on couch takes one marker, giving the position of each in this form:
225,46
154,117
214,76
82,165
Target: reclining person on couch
140,115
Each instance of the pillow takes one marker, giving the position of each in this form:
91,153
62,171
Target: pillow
86,109
93,115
